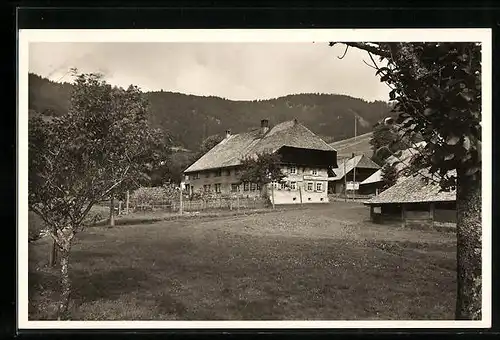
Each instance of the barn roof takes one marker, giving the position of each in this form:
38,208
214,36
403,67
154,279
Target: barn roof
374,178
232,149
360,162
413,189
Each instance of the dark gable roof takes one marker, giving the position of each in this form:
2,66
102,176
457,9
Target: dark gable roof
231,150
413,189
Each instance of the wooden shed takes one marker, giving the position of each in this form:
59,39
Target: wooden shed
413,201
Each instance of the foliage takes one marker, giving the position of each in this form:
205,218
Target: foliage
162,170
326,114
104,143
436,88
35,226
77,159
262,169
389,176
383,142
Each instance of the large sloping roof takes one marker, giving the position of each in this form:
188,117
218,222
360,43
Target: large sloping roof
400,162
360,161
413,189
231,150
374,178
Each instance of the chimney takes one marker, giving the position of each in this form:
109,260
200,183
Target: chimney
264,126
228,133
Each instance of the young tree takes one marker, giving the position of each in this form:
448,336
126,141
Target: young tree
383,136
78,159
262,169
436,88
389,176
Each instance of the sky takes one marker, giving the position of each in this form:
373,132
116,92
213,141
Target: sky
237,71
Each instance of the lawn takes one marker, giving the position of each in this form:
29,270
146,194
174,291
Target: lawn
323,262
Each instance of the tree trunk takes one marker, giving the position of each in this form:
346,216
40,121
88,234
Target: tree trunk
65,285
468,248
53,254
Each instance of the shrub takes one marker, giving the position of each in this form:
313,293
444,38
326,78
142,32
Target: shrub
154,195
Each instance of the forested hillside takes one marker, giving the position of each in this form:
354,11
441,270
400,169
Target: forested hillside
190,119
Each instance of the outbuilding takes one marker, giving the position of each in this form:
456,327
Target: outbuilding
413,200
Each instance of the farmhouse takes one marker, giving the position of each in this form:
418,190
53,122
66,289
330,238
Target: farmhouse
305,157
355,169
413,201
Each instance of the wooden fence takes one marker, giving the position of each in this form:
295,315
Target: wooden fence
219,203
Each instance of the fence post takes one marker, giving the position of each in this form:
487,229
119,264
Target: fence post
180,200
272,193
112,211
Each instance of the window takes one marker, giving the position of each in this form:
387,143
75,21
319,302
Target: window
218,173
310,186
228,172
292,170
253,186
246,186
207,175
196,175
314,172
293,185
282,186
319,186
235,187
217,188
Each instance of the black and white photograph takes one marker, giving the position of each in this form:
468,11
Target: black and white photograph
327,178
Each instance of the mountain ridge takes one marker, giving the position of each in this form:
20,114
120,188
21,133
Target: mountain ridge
189,118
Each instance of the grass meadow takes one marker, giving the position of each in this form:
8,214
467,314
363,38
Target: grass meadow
318,262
